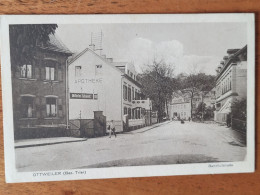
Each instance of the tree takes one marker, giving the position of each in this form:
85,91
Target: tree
158,85
204,112
198,84
238,109
24,39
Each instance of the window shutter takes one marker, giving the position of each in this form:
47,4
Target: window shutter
59,75
60,111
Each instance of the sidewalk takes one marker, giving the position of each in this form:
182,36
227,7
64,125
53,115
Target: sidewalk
60,140
147,128
46,141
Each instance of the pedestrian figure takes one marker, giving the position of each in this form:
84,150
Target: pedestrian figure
189,119
109,130
113,129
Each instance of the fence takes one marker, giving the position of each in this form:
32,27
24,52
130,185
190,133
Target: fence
238,125
136,122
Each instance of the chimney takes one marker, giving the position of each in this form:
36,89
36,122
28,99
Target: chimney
225,58
219,68
232,51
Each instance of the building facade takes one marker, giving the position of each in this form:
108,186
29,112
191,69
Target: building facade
180,106
231,81
107,86
39,95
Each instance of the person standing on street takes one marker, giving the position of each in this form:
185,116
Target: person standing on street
113,129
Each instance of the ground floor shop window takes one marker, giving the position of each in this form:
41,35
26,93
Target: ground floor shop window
51,107
27,107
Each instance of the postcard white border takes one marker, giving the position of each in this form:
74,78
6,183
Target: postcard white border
132,171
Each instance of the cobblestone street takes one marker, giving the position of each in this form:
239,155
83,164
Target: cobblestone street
167,143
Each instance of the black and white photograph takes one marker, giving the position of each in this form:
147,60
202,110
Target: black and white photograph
105,96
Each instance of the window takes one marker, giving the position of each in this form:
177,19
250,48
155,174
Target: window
125,110
138,113
129,94
50,72
131,74
129,113
77,71
51,107
125,92
98,69
133,93
26,71
27,107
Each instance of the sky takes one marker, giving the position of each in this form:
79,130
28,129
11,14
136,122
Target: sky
187,47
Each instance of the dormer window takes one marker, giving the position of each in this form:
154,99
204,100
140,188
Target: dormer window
26,71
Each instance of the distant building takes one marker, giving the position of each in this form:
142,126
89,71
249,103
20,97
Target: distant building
180,106
97,83
231,81
39,95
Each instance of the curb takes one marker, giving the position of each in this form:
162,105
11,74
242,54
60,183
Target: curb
53,143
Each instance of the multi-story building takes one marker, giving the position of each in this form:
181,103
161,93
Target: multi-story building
231,81
180,106
96,83
39,95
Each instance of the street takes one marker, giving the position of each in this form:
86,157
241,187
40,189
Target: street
166,143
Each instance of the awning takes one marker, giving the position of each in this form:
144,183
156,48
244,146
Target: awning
226,108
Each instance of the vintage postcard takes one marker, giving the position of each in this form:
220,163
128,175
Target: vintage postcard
111,96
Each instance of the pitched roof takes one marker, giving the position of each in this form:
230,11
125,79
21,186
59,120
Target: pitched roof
55,44
74,57
230,59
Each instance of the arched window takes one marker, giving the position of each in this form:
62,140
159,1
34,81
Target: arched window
51,106
51,70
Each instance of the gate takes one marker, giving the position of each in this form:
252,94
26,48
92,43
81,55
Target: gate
99,124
